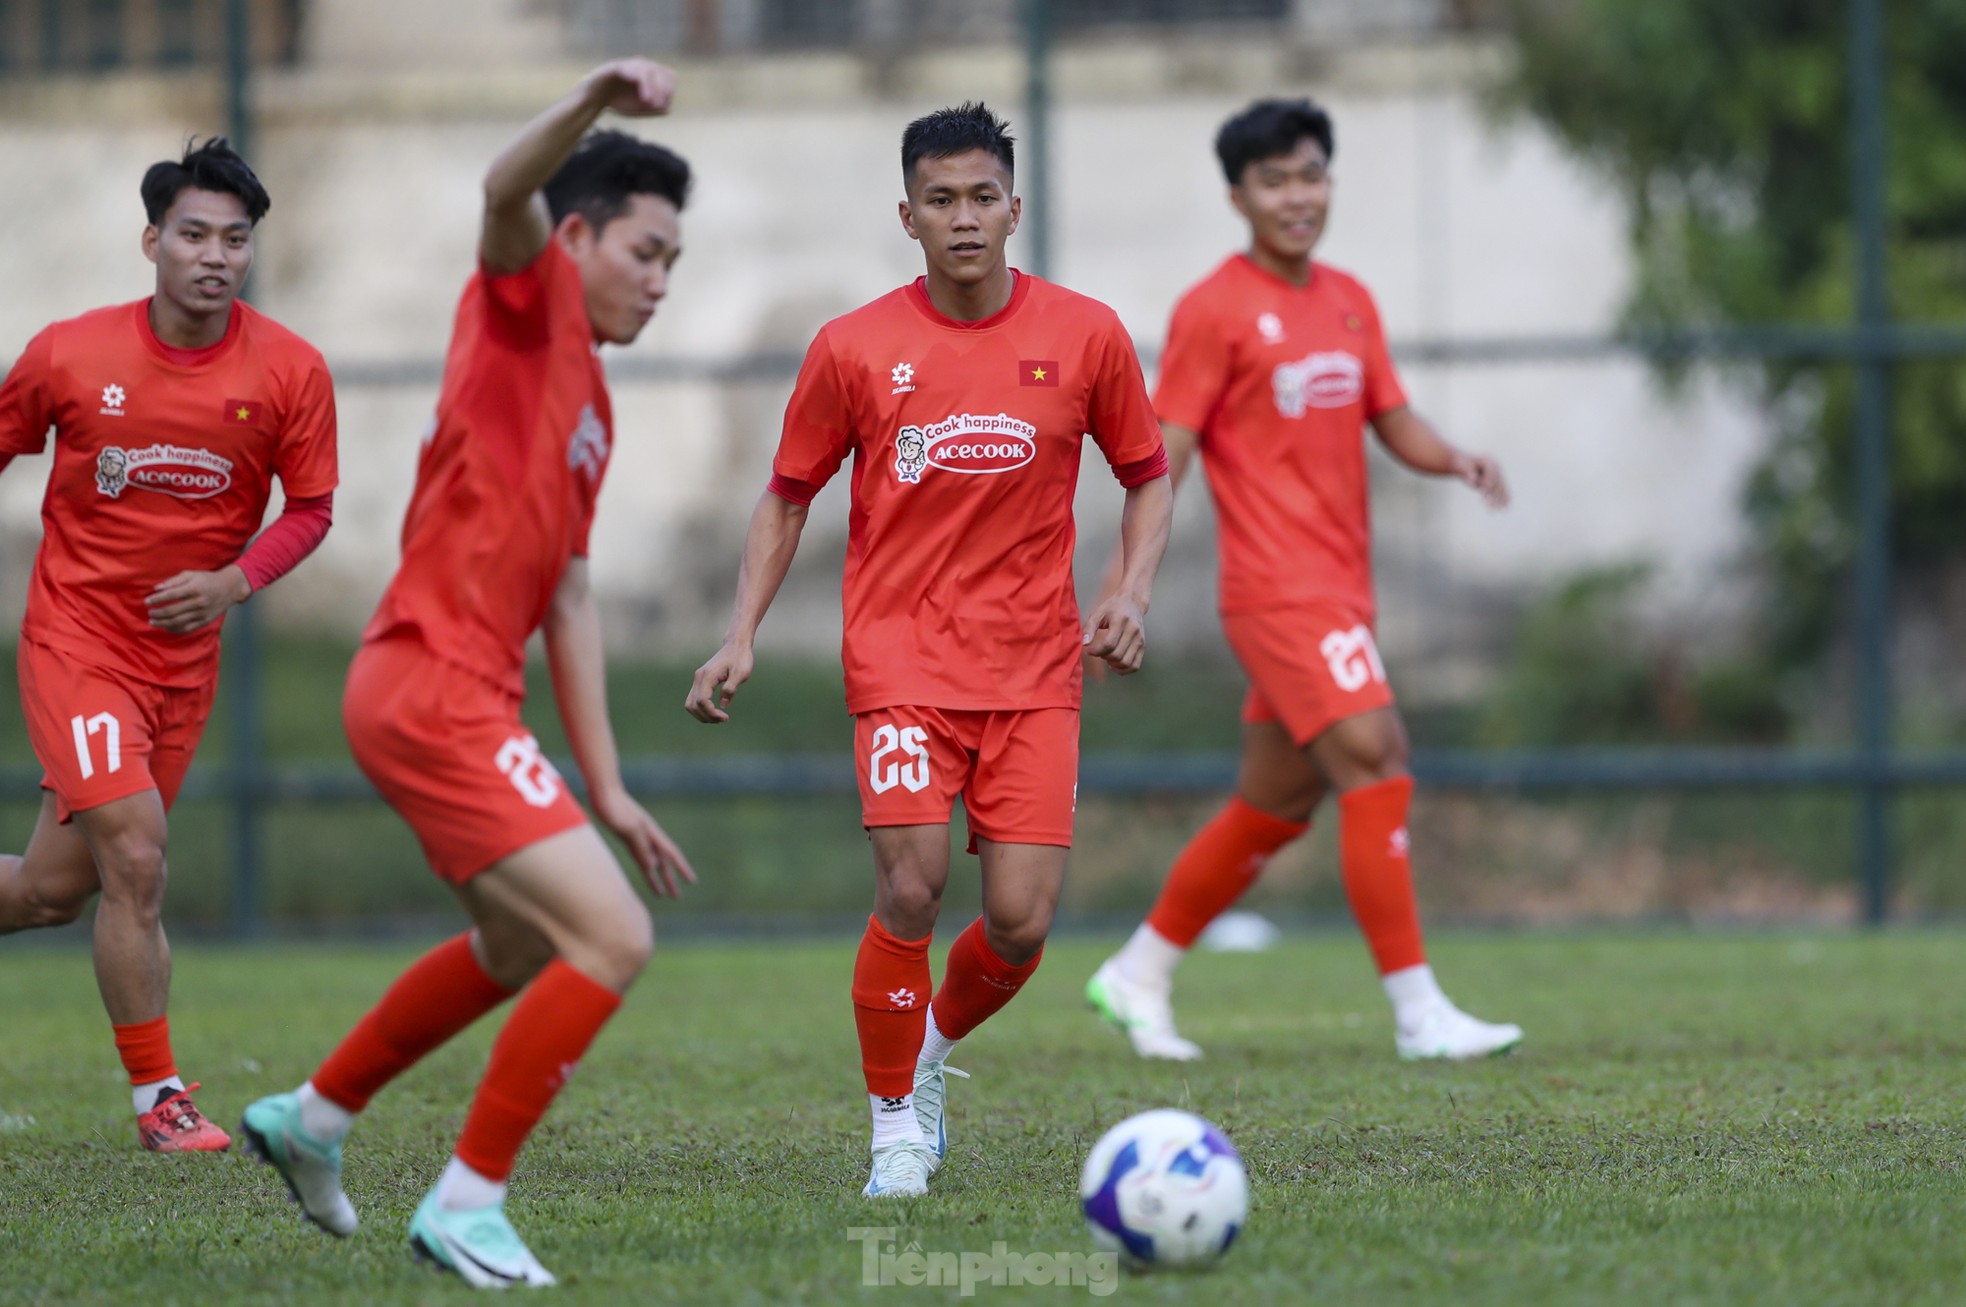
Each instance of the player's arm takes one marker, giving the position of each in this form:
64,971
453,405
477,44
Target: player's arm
1181,443
769,546
517,223
190,601
1116,631
305,465
25,413
1414,442
579,667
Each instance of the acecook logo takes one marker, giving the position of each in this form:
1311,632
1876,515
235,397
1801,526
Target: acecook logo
168,469
970,444
1326,379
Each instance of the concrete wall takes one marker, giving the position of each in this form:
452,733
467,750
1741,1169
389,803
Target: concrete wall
373,151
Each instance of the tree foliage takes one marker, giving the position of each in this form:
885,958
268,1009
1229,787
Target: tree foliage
1726,126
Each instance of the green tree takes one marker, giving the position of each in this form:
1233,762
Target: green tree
1726,126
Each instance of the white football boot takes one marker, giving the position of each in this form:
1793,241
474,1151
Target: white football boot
900,1171
1145,1014
1446,1033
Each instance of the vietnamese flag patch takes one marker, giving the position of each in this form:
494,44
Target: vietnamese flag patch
1037,372
245,412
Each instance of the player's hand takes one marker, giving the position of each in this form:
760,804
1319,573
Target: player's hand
1485,475
192,600
633,88
1117,633
661,862
716,683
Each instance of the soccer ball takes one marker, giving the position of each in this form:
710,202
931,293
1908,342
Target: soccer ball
1165,1188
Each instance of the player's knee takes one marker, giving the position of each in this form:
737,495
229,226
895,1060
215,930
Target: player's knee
1017,942
622,945
909,906
513,957
1381,757
53,905
1292,801
133,871
1387,763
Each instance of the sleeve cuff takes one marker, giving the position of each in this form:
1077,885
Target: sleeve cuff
1139,473
792,491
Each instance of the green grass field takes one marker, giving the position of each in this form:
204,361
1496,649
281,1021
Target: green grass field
1720,1119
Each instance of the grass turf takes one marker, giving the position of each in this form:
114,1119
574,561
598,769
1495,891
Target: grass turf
1723,1119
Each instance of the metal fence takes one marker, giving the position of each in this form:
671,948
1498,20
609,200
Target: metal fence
1874,769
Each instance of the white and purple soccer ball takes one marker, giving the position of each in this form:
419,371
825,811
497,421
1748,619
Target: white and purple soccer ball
1165,1188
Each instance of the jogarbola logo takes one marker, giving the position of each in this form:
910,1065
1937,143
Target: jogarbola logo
167,469
971,444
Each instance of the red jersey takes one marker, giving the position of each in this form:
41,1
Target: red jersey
1279,382
966,439
509,473
164,462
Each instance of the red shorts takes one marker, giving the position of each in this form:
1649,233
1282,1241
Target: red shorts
1309,666
449,753
1017,772
102,736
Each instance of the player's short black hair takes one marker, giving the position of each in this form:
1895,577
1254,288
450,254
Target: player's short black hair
968,126
606,169
1266,129
213,166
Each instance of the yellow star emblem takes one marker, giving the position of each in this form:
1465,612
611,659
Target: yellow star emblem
1037,374
244,414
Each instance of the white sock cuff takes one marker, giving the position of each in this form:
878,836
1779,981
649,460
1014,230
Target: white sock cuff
323,1118
894,1120
461,1189
145,1096
1149,958
1412,989
936,1046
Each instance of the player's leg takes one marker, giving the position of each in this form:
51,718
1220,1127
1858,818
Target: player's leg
115,752
441,995
1277,788
1021,801
50,883
989,962
1365,759
912,762
77,719
430,745
569,891
126,837
891,986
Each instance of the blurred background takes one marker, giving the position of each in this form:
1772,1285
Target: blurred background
1695,273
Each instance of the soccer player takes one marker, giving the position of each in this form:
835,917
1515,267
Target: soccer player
579,235
1274,365
963,399
172,416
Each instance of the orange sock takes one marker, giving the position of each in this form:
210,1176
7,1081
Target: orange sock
145,1047
543,1040
1372,855
1219,863
890,1008
444,991
976,983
